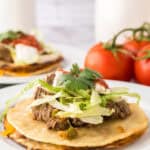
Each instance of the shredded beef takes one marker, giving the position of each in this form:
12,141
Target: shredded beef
42,112
50,78
121,108
45,112
5,54
76,122
40,91
58,123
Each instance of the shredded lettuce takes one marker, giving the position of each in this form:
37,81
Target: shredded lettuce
115,96
134,95
47,99
114,90
48,87
82,102
119,89
92,120
10,35
95,98
89,106
11,101
84,93
52,100
96,110
116,93
28,87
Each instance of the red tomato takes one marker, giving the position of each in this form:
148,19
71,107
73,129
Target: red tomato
104,62
146,47
27,40
134,46
143,44
142,66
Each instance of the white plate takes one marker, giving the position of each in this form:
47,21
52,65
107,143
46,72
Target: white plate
71,55
141,144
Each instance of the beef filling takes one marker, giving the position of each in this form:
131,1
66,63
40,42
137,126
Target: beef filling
40,91
121,108
5,54
77,122
42,112
58,123
45,113
50,78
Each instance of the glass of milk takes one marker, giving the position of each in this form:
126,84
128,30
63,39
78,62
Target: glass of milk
114,15
17,14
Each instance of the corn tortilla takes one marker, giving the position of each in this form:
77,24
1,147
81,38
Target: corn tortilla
34,145
98,136
35,69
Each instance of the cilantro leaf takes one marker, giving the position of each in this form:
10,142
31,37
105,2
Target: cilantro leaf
89,74
10,35
75,84
49,87
75,70
78,80
82,106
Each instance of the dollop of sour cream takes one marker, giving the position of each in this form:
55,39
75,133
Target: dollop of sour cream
100,88
58,74
26,54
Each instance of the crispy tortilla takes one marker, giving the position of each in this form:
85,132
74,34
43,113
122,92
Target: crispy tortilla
34,145
32,69
98,136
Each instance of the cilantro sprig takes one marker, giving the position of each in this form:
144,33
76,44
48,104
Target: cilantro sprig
10,35
75,70
79,79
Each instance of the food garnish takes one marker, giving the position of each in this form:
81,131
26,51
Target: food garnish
24,54
76,95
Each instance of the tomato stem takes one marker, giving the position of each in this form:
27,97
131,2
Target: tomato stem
147,56
127,53
113,43
140,33
114,40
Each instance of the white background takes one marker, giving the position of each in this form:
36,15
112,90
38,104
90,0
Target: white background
67,21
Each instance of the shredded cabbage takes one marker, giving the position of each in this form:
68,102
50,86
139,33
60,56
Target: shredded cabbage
93,120
10,101
48,87
28,87
114,97
96,110
56,104
95,98
88,105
